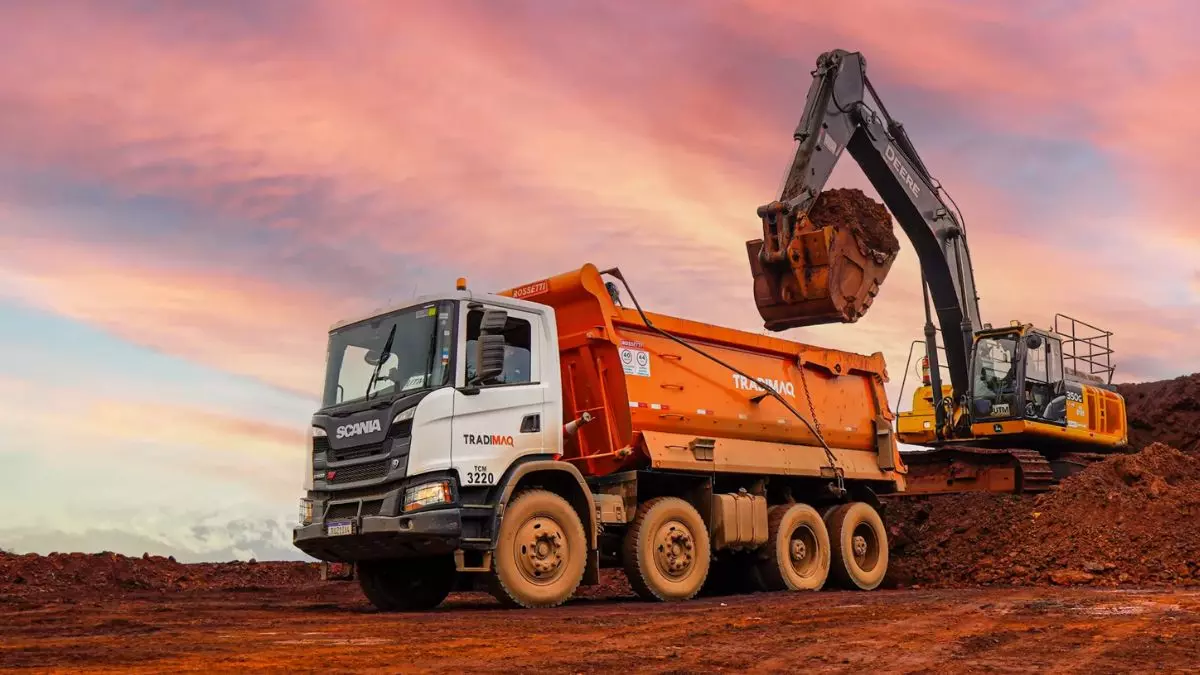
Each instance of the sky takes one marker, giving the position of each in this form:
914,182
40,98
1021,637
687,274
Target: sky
192,193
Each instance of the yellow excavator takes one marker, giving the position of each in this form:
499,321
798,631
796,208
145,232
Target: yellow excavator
1024,406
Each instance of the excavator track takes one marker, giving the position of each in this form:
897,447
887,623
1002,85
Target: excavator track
964,468
1071,463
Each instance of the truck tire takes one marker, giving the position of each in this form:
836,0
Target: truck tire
406,584
540,553
859,546
798,550
666,550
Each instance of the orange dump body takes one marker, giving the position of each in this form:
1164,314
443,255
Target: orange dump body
658,404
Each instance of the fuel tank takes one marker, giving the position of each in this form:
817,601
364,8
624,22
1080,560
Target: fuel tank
667,393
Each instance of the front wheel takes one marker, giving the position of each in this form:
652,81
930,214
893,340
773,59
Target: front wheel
541,551
407,584
860,547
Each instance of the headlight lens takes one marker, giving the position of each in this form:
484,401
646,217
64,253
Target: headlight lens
405,415
318,432
306,512
427,494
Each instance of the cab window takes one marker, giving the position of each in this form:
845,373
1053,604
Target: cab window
518,357
1035,363
1056,362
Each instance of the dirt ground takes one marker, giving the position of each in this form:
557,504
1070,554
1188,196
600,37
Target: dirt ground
1167,411
1100,574
1127,521
330,627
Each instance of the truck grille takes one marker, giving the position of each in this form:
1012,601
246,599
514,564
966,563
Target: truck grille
353,474
350,510
355,453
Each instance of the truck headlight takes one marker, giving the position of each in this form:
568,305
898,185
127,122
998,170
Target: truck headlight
405,415
306,511
318,432
427,494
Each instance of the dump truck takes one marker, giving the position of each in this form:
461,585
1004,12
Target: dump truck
520,441
1024,406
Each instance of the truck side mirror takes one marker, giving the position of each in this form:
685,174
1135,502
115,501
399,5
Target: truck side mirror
489,348
489,357
1033,341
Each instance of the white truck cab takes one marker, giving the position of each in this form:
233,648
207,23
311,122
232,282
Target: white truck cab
422,409
429,409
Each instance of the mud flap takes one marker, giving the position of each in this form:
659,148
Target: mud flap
884,444
591,571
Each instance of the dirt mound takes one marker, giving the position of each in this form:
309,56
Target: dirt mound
868,220
103,574
1127,520
1166,411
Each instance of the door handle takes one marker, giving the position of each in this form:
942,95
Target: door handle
532,424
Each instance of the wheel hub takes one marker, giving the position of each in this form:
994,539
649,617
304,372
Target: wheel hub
799,550
541,549
860,546
674,549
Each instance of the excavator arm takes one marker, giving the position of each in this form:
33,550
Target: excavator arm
796,282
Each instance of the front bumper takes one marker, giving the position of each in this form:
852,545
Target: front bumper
418,534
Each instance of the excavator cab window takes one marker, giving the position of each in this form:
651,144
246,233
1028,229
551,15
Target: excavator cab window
1043,383
995,379
1045,398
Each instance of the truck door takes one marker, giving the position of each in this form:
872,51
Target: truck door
496,422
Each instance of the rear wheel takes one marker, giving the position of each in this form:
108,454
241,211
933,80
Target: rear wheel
540,551
798,550
666,550
407,584
859,555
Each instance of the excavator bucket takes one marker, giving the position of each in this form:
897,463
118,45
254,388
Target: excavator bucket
823,269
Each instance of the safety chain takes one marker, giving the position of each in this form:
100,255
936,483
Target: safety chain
812,411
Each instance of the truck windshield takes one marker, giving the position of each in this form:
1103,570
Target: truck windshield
996,374
358,368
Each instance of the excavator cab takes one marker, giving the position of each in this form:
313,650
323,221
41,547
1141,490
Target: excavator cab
1017,374
1029,387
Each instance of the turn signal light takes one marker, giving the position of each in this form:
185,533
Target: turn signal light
427,494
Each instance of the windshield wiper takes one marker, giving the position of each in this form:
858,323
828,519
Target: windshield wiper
383,356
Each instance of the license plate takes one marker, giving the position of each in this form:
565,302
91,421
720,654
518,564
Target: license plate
338,527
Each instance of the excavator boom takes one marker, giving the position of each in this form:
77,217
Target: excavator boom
794,264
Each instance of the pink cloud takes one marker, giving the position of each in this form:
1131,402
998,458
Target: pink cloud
244,325
442,137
